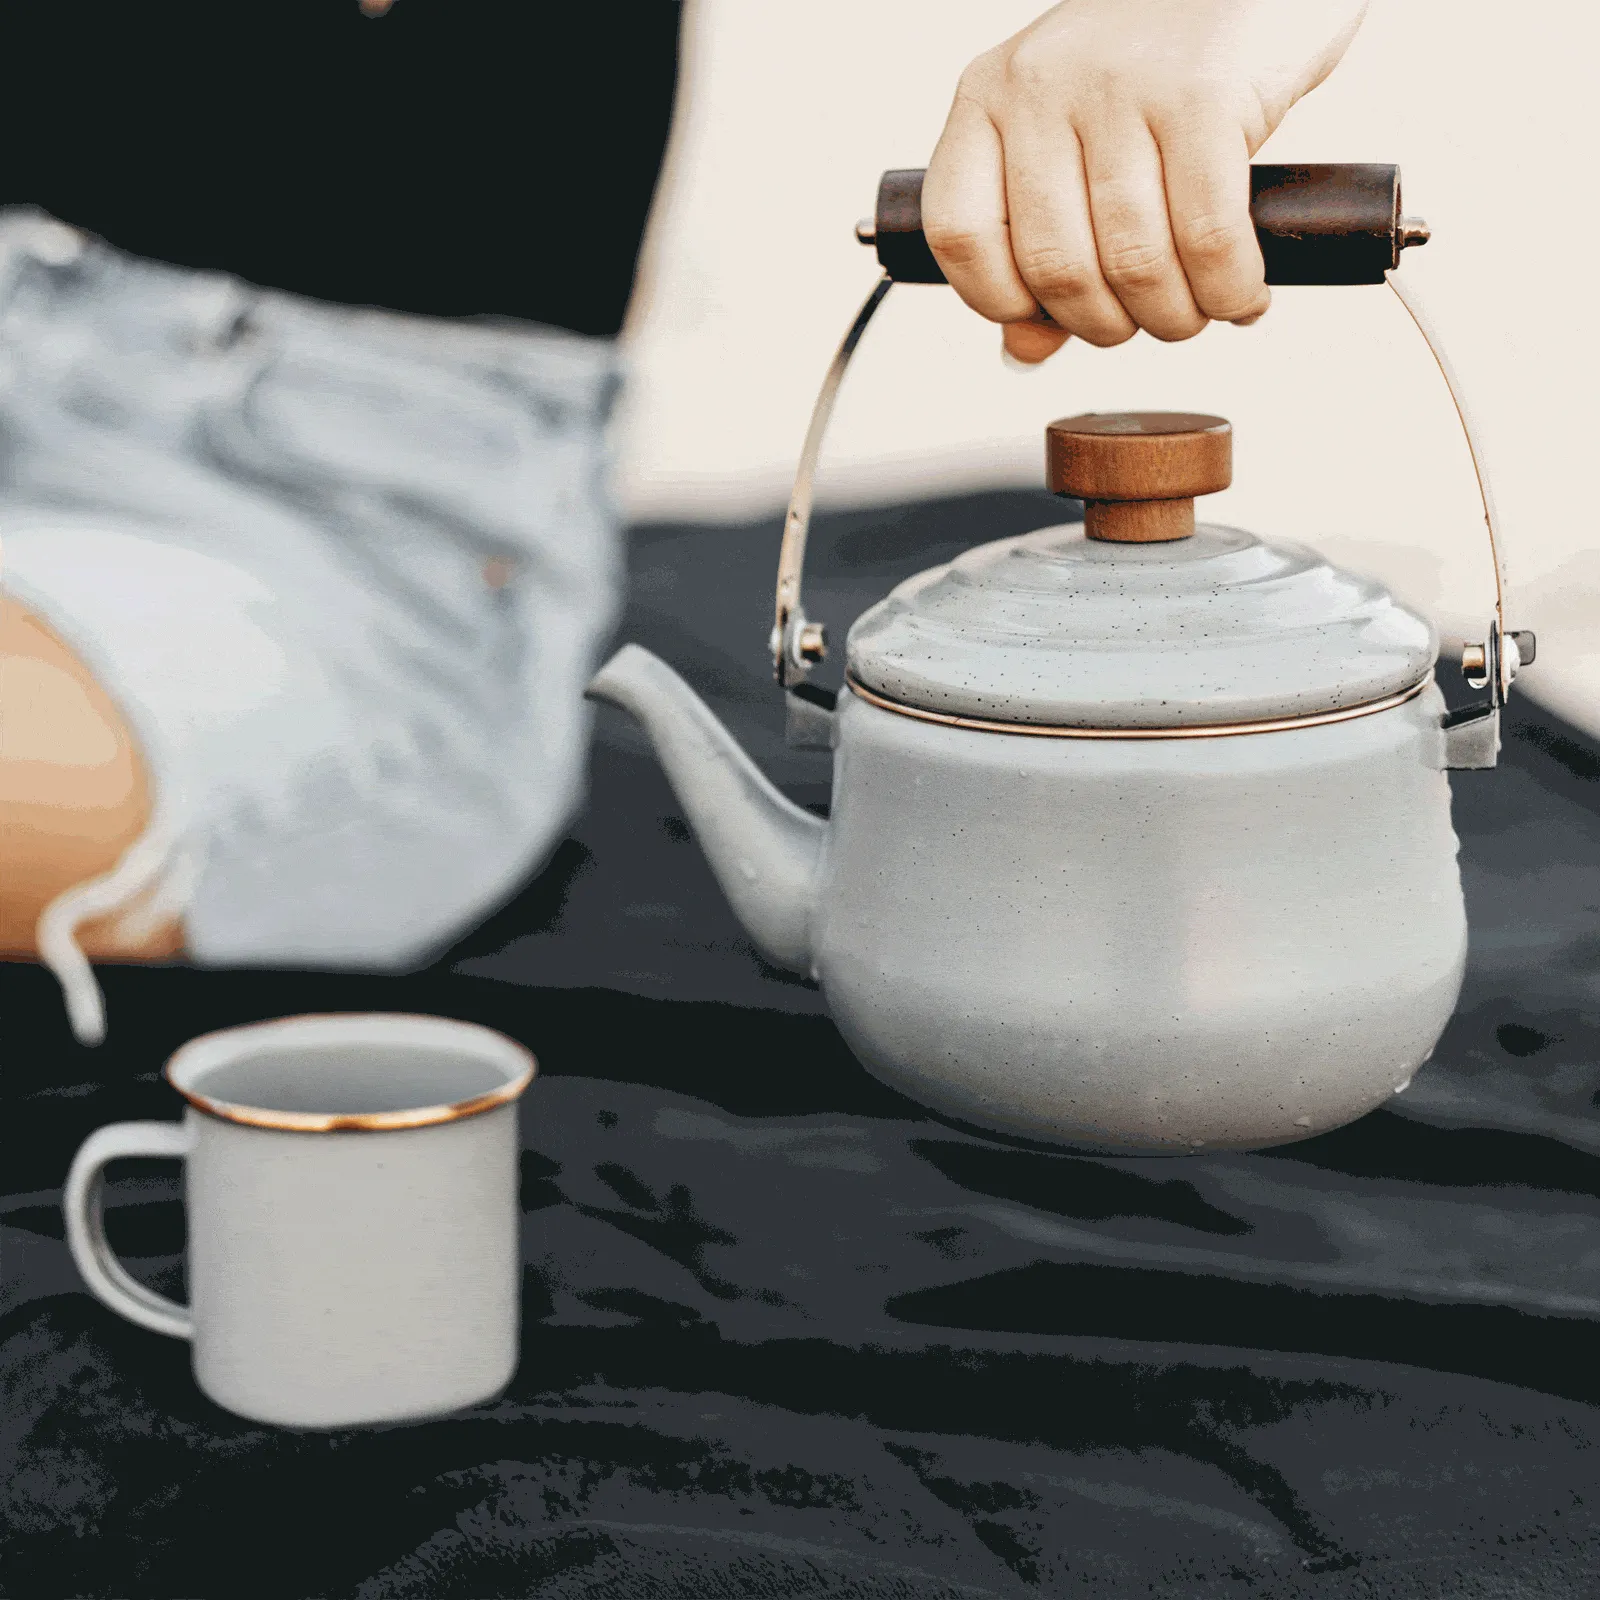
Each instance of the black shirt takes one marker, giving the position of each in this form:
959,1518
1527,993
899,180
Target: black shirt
452,157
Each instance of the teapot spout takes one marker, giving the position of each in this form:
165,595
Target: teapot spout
763,849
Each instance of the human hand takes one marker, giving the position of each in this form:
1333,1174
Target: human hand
1095,166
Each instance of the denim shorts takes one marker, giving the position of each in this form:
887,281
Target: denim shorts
346,573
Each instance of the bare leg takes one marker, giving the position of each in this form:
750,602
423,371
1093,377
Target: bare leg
74,793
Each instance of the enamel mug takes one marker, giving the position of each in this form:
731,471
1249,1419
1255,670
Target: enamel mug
353,1214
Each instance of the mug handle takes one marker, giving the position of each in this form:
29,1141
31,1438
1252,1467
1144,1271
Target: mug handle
82,1204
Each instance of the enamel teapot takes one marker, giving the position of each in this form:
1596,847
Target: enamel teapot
1140,837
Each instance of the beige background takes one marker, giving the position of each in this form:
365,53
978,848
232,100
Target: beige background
1345,437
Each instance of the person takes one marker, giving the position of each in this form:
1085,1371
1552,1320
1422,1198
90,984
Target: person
307,326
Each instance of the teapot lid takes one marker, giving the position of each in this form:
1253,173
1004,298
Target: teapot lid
1140,618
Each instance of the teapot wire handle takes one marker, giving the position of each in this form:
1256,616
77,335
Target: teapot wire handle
1499,665
797,643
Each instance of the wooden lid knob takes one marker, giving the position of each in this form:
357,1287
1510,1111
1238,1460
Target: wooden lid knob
1137,472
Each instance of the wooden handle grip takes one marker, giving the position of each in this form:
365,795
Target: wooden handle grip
1329,224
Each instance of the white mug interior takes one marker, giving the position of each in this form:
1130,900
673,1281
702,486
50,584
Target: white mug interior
322,1073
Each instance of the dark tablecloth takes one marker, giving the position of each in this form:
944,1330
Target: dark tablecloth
788,1334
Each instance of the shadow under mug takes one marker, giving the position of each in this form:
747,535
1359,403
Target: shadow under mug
353,1216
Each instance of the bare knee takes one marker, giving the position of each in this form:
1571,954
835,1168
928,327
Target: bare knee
74,793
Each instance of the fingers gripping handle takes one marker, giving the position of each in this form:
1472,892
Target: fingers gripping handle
1326,224
83,1206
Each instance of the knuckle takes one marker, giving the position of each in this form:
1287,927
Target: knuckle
1209,241
1056,274
1136,265
1095,84
1039,72
1194,104
953,243
1030,69
976,79
1195,96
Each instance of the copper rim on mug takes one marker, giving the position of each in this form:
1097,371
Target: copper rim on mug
187,1068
